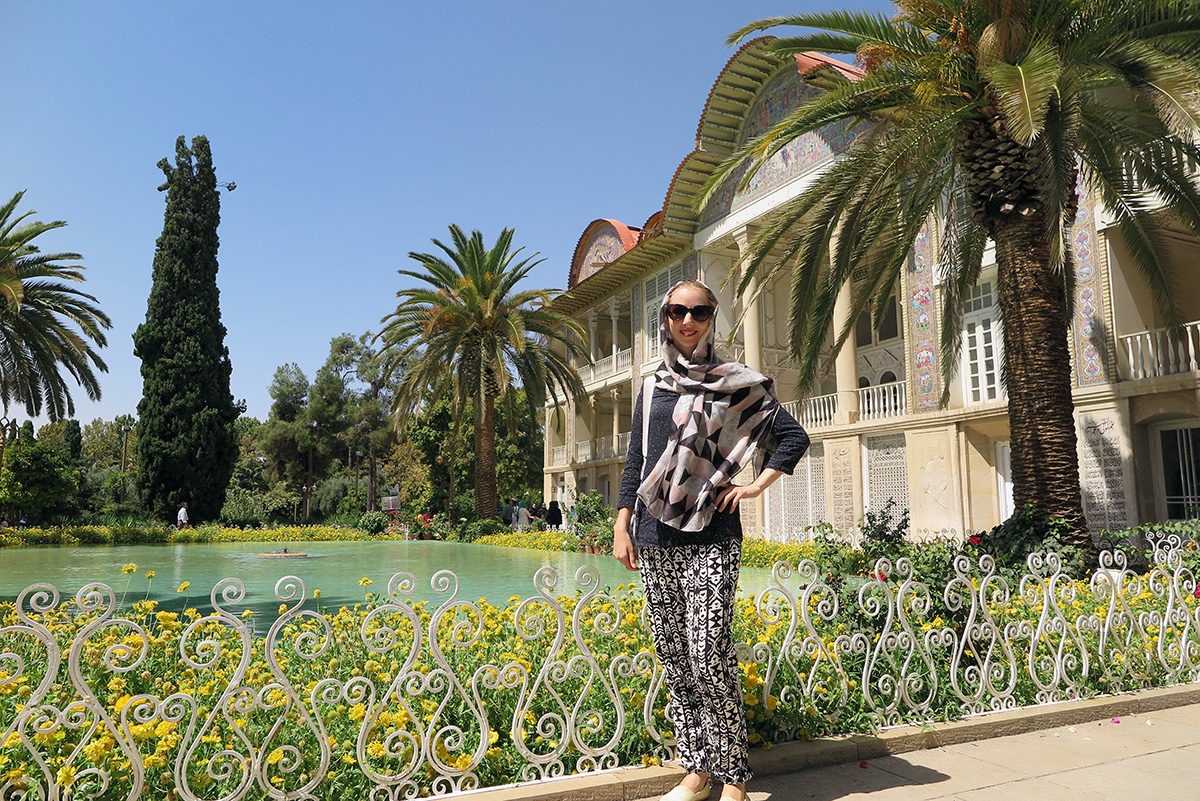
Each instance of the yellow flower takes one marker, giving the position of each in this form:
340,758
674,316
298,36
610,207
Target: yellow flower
65,776
248,613
183,587
283,608
365,582
317,593
274,757
150,574
129,569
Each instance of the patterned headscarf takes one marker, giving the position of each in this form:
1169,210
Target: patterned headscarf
722,421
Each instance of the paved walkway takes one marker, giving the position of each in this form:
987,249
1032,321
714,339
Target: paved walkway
1152,756
1138,747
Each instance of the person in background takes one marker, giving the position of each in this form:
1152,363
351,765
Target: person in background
708,420
181,519
506,514
554,516
521,522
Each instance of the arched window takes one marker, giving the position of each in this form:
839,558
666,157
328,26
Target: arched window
863,382
888,377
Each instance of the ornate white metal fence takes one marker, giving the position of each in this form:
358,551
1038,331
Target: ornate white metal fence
395,700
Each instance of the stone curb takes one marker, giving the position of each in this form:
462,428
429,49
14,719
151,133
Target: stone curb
631,784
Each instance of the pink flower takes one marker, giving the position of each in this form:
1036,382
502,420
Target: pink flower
975,539
1196,592
1116,720
862,763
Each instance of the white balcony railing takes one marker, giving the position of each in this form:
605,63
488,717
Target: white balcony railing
883,400
814,412
602,448
1153,353
874,403
558,456
608,366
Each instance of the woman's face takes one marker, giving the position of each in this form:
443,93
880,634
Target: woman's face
688,333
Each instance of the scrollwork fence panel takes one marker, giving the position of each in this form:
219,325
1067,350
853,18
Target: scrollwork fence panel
398,700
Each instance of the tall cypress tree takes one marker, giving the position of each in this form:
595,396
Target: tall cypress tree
186,445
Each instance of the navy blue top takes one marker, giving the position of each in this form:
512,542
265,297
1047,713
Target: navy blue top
791,441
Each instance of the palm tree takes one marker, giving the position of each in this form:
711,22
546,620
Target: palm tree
46,326
469,332
988,114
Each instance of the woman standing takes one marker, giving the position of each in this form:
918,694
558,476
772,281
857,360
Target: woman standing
708,420
554,516
521,519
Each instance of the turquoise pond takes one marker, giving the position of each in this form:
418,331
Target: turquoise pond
335,568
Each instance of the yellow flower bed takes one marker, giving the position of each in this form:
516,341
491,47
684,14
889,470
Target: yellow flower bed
363,688
756,552
108,535
533,540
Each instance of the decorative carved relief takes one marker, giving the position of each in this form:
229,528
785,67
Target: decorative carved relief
1102,471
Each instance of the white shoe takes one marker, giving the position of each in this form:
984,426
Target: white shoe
682,793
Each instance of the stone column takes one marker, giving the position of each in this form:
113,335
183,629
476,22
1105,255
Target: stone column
615,394
612,316
752,348
751,309
846,364
547,452
591,324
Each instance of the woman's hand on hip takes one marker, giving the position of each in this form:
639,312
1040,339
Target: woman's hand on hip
729,497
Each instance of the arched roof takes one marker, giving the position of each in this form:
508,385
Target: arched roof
601,243
668,233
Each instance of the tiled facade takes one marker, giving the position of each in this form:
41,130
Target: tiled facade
875,420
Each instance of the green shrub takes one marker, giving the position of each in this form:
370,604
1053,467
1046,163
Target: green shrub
472,530
243,508
883,535
373,522
1026,532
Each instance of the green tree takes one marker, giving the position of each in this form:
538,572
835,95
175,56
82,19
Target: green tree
72,437
520,441
110,443
987,113
371,432
283,438
47,326
441,443
186,445
468,332
34,481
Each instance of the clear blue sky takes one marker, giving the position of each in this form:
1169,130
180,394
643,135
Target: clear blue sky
356,132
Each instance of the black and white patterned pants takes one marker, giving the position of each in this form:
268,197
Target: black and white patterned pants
690,593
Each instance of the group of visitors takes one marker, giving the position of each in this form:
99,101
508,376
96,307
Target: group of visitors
520,515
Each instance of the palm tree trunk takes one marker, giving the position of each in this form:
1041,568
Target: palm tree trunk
485,456
1037,369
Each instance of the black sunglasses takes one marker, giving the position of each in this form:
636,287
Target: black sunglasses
701,314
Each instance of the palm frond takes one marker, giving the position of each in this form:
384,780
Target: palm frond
1024,90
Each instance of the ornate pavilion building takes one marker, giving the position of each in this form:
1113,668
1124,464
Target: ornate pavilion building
876,427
